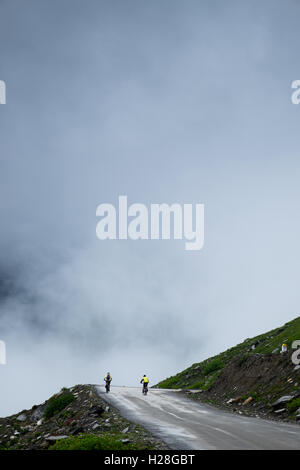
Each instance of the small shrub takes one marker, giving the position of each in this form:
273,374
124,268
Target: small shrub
197,385
293,405
170,382
253,394
56,404
92,442
212,366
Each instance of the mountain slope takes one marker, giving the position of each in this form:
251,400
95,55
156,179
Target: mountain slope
73,419
254,369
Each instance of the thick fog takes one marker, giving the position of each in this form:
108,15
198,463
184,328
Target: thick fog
162,101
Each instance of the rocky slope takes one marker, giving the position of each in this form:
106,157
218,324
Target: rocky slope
75,418
252,378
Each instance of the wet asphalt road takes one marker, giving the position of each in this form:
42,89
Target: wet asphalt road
187,425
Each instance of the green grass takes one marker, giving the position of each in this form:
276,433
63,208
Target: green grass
257,396
212,366
203,374
293,405
58,403
92,442
197,385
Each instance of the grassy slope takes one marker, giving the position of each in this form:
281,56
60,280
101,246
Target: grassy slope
203,374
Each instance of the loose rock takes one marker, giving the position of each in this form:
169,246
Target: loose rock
21,417
284,399
55,438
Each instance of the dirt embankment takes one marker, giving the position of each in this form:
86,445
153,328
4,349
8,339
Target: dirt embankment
252,384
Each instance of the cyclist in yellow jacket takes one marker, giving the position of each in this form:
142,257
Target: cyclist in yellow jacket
145,382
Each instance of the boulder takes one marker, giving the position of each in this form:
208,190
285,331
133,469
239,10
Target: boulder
96,410
77,430
248,400
37,413
21,417
55,438
282,400
234,400
28,428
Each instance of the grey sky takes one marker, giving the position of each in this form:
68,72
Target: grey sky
163,101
